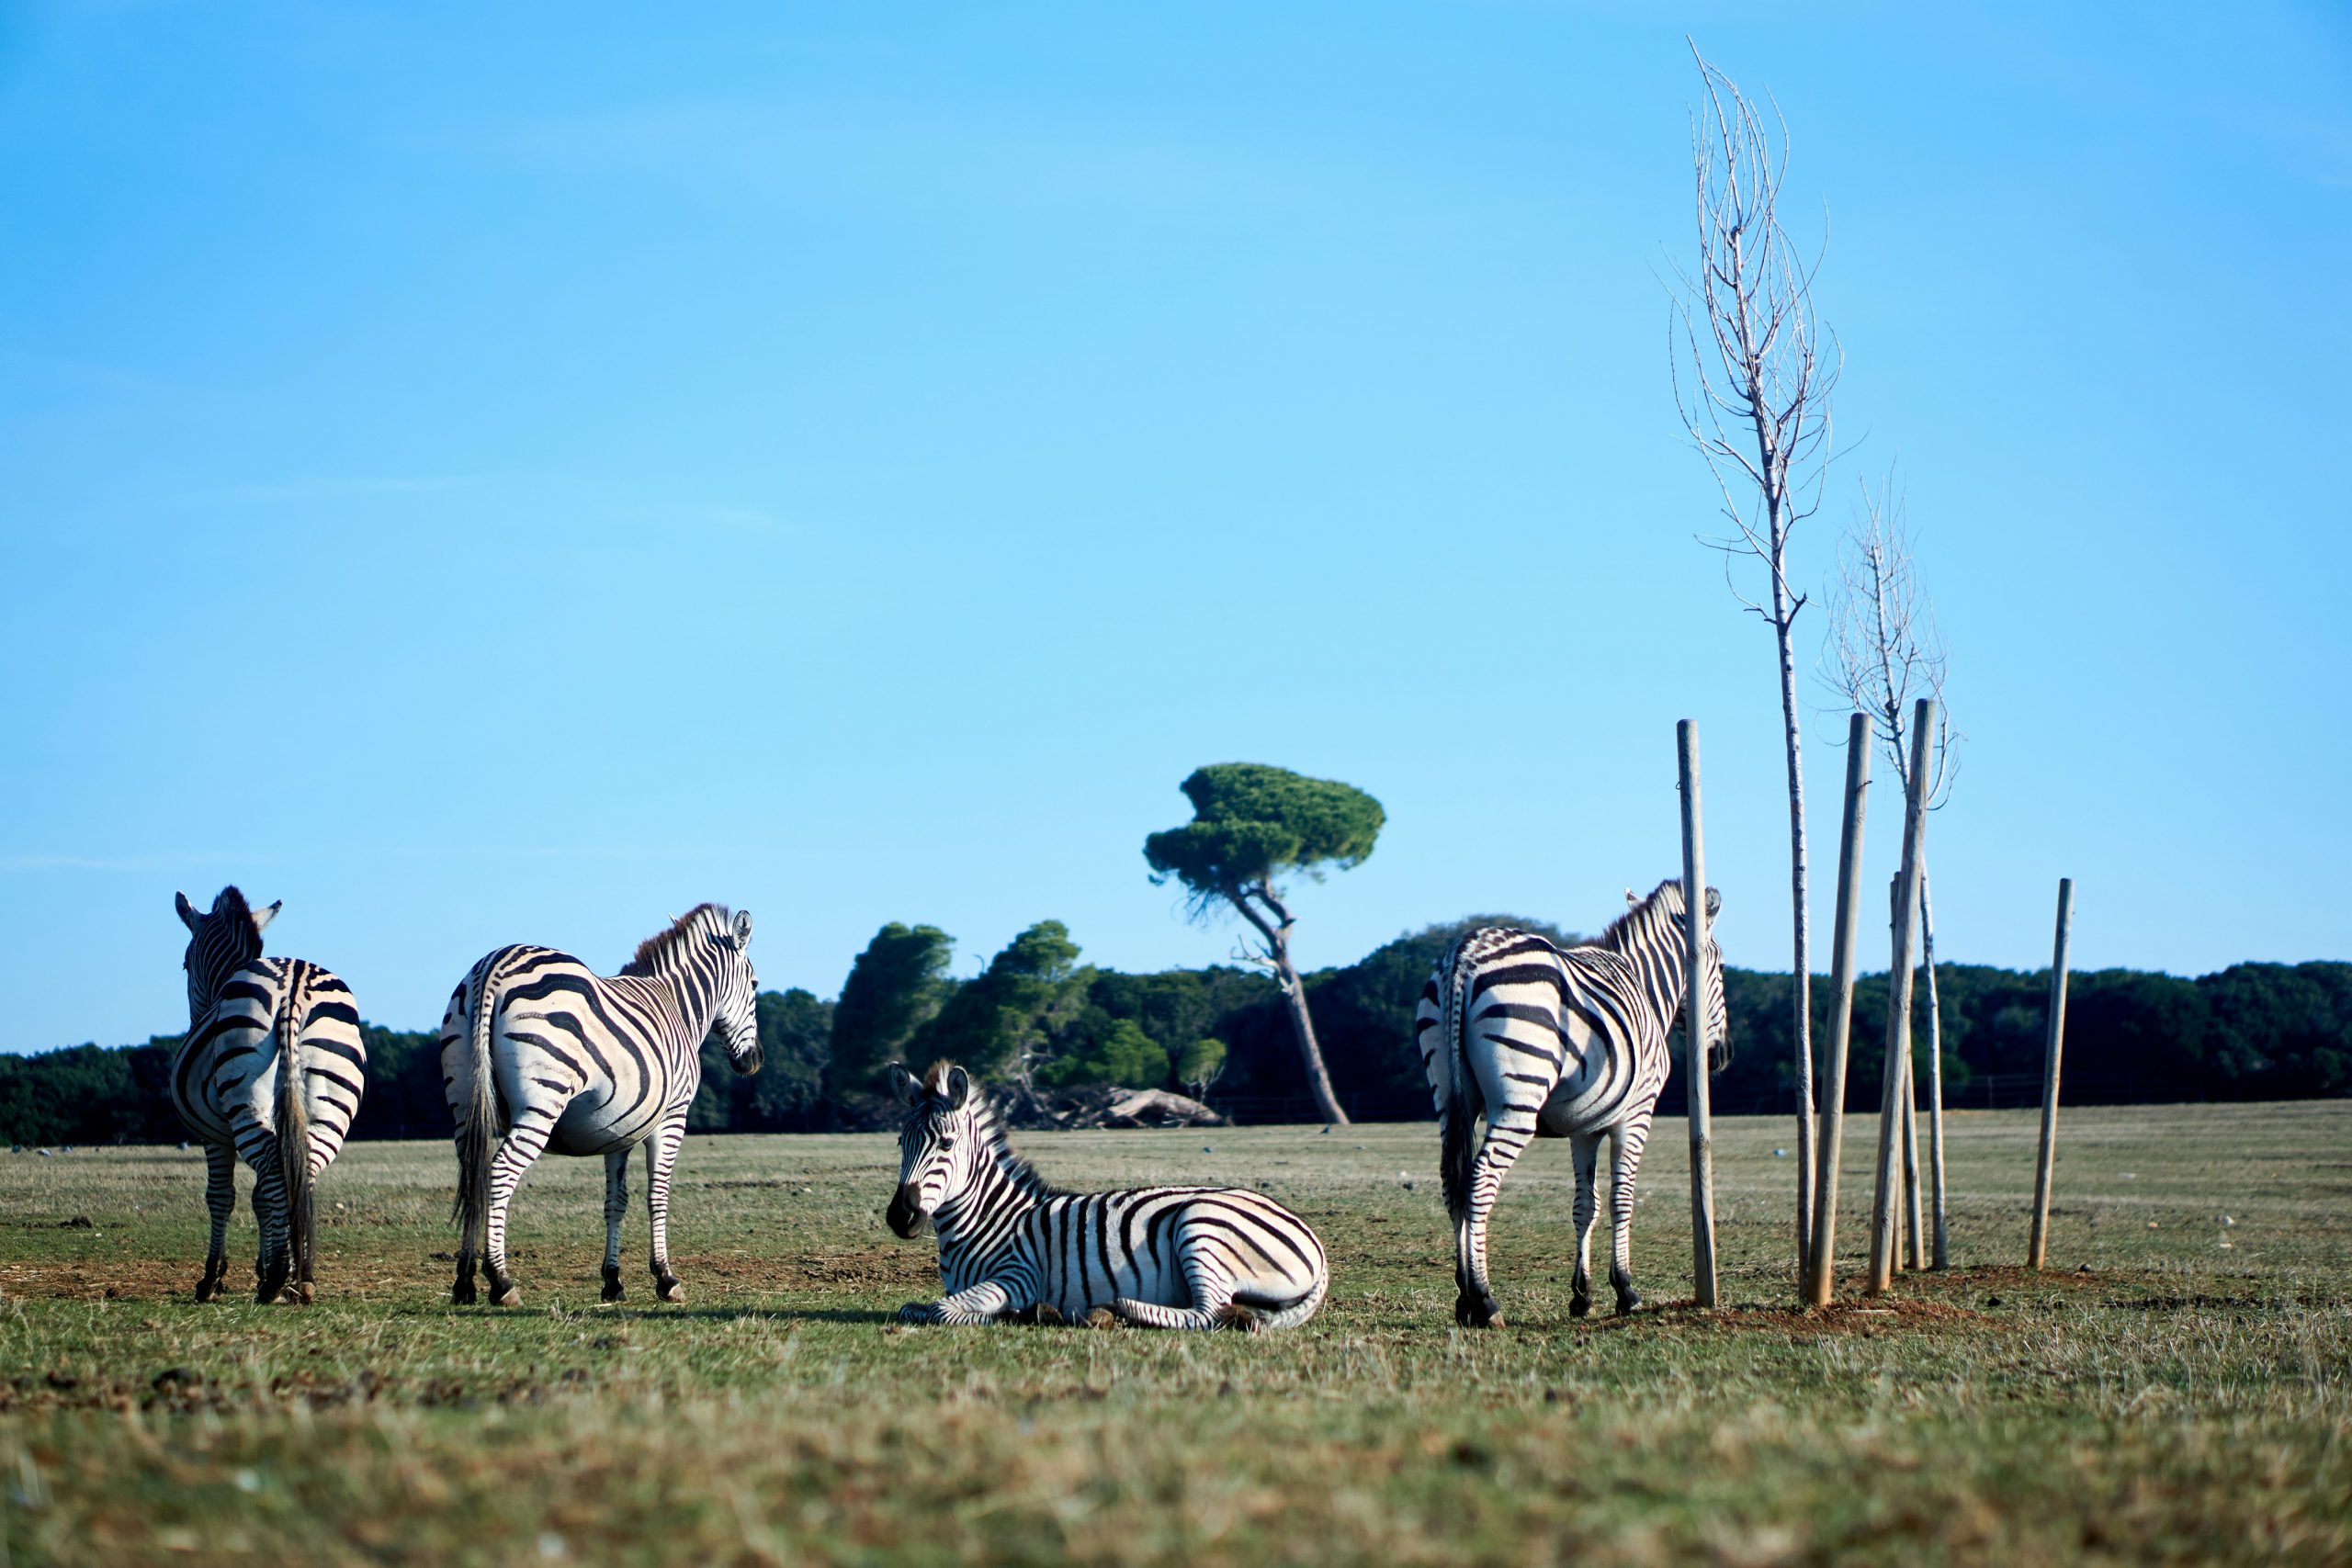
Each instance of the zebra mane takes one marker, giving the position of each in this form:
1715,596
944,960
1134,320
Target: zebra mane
662,944
1622,927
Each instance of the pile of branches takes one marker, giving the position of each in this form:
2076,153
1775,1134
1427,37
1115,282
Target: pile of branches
1102,1105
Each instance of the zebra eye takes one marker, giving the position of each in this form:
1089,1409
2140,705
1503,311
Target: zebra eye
946,1145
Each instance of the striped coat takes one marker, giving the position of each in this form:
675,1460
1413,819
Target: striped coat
538,1052
1550,1042
271,1071
1012,1245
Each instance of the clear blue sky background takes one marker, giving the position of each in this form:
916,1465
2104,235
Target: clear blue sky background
489,479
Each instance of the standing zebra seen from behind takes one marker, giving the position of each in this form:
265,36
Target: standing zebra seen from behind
270,1071
540,1052
1011,1244
1557,1042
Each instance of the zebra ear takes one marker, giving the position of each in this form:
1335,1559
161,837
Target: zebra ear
959,1088
742,930
263,916
188,917
1632,899
1714,902
905,1085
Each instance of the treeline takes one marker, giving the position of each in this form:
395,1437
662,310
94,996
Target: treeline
2252,1032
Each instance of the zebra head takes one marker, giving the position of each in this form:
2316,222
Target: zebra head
219,944
1718,1015
737,1016
939,1142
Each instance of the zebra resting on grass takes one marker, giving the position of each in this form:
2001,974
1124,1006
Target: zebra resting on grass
271,1069
538,1052
1551,1043
1011,1245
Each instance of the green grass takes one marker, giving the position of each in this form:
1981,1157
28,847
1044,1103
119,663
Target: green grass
2173,1388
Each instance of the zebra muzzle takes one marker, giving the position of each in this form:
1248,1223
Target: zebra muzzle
905,1217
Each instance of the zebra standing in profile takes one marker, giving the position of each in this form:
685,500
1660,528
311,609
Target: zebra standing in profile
1011,1245
1551,1043
271,1068
538,1052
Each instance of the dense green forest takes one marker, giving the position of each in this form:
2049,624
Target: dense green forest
2252,1032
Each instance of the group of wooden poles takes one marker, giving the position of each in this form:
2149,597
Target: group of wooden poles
1818,1203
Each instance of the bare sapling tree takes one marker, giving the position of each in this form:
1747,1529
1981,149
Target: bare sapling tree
1885,652
1753,373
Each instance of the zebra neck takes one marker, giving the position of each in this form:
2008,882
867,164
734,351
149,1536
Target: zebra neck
697,997
1658,955
979,1221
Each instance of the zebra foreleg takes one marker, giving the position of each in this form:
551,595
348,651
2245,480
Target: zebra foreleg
616,1209
219,1198
661,1155
1585,1147
1626,1144
1476,1306
984,1303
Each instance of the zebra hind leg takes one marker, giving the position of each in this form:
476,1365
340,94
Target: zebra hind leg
661,1155
277,1261
219,1198
1476,1306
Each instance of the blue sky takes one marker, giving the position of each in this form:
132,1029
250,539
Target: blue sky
482,479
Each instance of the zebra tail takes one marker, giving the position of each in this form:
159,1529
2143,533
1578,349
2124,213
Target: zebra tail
294,1125
478,1129
1453,1113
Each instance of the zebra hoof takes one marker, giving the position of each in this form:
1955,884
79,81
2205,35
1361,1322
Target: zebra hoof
666,1287
1048,1316
1477,1312
208,1287
462,1293
271,1286
1101,1317
1626,1302
1580,1303
506,1293
300,1295
613,1290
918,1312
1236,1316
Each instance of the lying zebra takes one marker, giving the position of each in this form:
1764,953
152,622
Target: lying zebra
1012,1247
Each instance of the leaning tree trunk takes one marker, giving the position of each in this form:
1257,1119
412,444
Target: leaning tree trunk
1801,1000
1276,932
1310,1054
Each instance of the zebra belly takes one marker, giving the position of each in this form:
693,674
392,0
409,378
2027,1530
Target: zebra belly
584,1129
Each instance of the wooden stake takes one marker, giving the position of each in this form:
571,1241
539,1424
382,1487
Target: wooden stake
1915,1238
1694,1012
1941,1256
1822,1256
1898,1008
2037,1250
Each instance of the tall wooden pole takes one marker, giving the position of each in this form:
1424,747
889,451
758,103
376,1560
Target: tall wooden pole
2037,1250
1898,1008
1694,1012
1821,1258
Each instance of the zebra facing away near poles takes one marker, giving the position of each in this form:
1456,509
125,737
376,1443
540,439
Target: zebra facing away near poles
540,1052
271,1069
1553,1042
1011,1246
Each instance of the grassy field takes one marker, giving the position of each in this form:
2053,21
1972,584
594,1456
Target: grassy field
2178,1387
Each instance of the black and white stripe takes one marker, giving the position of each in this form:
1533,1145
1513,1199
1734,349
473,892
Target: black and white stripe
271,1069
1551,1043
538,1052
1009,1245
